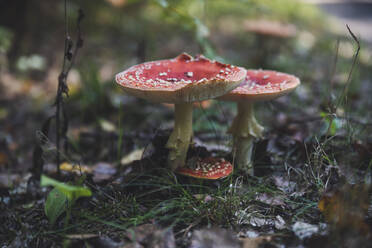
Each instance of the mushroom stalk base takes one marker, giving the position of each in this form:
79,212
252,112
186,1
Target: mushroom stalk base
179,141
244,129
242,153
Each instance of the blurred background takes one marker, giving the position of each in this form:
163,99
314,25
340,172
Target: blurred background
306,38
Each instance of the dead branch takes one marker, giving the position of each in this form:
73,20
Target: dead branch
71,49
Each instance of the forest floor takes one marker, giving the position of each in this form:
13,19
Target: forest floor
311,187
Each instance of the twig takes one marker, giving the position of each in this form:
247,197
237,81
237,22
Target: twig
69,57
346,87
332,77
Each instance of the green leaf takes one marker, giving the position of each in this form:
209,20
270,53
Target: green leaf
55,205
71,192
332,124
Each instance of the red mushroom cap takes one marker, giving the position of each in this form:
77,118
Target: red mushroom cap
261,85
182,79
208,168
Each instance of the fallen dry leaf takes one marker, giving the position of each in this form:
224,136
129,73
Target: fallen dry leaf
161,239
81,236
284,184
304,230
75,168
132,156
276,200
140,233
279,222
255,242
150,235
107,126
258,222
3,158
346,207
214,238
103,171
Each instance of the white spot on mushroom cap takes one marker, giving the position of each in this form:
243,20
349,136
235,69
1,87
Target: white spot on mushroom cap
189,74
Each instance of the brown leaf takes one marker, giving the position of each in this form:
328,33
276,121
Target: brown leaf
346,207
255,242
3,158
75,168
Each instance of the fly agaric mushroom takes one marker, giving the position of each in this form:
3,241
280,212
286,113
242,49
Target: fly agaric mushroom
182,81
207,168
269,38
270,28
259,85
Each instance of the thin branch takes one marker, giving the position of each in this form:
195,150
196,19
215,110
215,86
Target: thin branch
332,77
346,87
69,57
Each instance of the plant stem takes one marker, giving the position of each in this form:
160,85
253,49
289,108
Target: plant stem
179,141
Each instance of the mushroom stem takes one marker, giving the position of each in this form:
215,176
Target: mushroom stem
244,129
179,141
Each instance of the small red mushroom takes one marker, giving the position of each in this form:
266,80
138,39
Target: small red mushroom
259,85
182,81
207,168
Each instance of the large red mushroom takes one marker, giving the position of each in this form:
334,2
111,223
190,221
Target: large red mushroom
259,85
182,81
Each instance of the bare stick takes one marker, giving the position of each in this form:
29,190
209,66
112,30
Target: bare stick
346,87
69,57
70,53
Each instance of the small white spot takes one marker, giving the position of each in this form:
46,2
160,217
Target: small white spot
189,74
